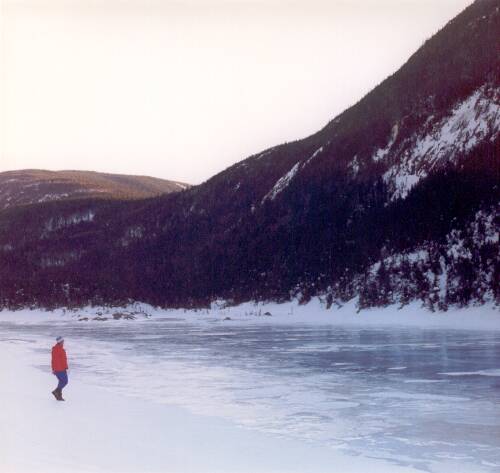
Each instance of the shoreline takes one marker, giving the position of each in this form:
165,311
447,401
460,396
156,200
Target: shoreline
484,317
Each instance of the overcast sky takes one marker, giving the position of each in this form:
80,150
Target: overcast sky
183,89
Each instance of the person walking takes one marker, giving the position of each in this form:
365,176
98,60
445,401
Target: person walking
59,367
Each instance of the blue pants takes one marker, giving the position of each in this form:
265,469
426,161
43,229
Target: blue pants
62,376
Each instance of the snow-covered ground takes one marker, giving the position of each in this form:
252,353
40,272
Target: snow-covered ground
233,389
482,317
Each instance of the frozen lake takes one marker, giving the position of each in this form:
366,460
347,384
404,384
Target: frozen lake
429,398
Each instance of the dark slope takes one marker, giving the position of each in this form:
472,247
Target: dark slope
394,200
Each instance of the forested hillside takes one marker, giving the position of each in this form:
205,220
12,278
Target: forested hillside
396,199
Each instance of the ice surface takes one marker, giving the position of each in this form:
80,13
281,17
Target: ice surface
422,398
100,431
491,372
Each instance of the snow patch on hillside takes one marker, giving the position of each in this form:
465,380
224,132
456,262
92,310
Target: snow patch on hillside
354,165
383,152
471,121
132,234
263,155
318,151
51,197
444,271
56,223
60,259
282,183
285,180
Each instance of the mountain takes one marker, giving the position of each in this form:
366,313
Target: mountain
37,186
395,200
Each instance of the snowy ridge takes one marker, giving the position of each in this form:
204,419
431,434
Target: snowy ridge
473,120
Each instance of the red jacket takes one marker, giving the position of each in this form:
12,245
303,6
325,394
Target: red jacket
59,360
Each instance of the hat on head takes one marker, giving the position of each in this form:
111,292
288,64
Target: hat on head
59,339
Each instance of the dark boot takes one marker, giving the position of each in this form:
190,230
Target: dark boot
56,394
60,398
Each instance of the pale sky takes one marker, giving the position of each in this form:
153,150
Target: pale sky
183,89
